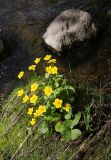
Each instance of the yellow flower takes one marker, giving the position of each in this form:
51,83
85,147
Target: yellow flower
49,69
25,99
34,87
33,121
32,67
33,99
37,60
48,90
47,57
58,103
30,111
42,109
20,92
54,70
67,107
20,75
52,61
37,113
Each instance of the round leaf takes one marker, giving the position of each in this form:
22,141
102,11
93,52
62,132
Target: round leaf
46,75
60,128
75,133
43,128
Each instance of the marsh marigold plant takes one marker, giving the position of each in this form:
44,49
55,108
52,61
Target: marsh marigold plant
49,99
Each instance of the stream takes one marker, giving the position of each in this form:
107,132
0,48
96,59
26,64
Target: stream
22,24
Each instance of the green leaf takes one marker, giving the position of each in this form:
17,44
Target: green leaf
68,115
67,135
56,84
59,75
42,84
45,97
60,128
46,75
68,123
43,128
48,118
75,133
58,91
70,88
71,123
76,120
71,134
55,117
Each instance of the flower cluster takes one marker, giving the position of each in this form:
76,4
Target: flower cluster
49,69
46,93
49,99
38,112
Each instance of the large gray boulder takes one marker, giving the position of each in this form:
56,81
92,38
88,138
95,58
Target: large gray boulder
70,26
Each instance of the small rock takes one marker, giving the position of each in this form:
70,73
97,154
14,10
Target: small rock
70,26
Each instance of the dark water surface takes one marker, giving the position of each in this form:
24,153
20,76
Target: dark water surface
22,24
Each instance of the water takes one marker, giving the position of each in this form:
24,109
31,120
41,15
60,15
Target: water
23,23
35,11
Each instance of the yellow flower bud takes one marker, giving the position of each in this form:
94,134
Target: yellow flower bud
47,57
20,75
25,99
